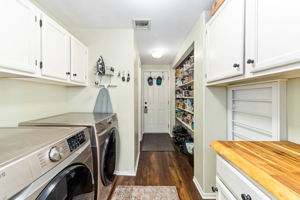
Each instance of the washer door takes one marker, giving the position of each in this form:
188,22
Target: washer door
108,159
73,183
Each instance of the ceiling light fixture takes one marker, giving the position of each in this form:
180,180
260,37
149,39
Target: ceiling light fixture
157,54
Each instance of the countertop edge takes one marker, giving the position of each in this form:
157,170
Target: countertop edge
278,189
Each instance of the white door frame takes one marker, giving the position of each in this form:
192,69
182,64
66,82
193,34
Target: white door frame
142,99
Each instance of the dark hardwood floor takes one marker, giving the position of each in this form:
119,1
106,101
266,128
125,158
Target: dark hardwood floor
164,169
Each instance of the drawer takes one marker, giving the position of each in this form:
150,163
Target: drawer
236,182
223,192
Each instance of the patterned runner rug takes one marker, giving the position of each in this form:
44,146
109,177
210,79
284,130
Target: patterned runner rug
145,193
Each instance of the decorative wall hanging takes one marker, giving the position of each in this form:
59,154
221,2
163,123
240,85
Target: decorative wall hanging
100,66
150,80
158,81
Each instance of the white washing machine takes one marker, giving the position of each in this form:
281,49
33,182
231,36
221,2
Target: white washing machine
46,164
103,130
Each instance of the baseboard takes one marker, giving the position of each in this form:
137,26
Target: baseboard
125,173
137,162
202,193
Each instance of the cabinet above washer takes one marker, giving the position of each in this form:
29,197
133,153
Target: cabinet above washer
34,47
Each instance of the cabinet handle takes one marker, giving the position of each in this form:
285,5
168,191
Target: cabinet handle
214,189
246,197
250,61
74,74
236,65
68,73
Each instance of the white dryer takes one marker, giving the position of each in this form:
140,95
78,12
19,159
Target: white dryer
103,130
46,164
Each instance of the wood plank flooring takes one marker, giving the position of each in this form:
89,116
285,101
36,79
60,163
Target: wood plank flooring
164,169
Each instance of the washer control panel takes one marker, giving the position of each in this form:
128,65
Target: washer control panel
76,140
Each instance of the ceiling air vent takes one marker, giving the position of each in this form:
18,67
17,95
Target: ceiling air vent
142,24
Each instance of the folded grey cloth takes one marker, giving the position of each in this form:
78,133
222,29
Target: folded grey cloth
103,102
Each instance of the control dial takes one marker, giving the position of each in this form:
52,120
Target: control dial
55,154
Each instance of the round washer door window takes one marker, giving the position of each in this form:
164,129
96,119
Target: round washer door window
73,183
108,160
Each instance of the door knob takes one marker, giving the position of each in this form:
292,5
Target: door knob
250,61
74,74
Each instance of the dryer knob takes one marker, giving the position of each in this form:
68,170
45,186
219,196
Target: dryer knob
55,154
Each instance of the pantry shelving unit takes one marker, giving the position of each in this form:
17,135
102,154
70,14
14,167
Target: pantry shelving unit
184,90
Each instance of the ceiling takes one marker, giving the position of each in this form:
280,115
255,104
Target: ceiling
171,20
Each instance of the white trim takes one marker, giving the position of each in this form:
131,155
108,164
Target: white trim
137,162
125,173
202,193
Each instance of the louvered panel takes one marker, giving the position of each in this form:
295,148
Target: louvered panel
254,111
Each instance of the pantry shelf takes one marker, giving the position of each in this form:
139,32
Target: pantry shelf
186,84
184,97
185,110
185,125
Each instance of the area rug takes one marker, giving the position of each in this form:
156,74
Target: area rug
157,142
145,193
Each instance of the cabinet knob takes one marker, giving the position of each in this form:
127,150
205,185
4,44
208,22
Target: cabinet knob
246,197
214,189
74,74
236,65
68,73
250,61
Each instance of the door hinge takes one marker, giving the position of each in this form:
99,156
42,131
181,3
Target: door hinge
35,18
168,125
36,62
41,65
41,23
205,75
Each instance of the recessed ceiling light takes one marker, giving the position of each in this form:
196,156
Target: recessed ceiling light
157,54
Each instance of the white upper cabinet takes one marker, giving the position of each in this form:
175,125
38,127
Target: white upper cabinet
273,34
18,36
225,42
79,61
55,50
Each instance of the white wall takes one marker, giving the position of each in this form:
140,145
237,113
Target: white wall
117,48
293,112
22,101
210,109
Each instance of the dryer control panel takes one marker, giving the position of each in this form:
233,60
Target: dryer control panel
75,141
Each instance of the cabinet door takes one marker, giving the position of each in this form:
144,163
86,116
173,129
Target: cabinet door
223,192
273,34
78,61
19,35
225,42
55,50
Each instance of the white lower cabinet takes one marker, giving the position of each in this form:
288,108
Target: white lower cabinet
232,184
18,36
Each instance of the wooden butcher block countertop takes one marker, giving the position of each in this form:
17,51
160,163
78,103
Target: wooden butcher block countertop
274,165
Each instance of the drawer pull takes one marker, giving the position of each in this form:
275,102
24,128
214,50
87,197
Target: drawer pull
214,189
246,197
250,61
236,65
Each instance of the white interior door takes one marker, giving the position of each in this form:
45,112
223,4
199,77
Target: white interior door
156,103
